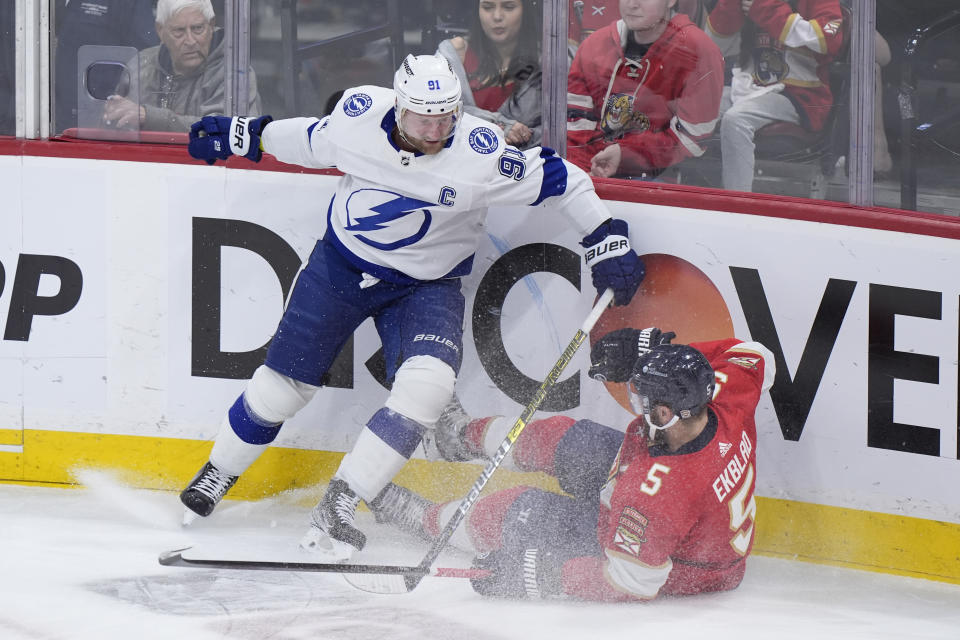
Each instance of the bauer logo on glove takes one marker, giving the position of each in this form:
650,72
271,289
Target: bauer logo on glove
610,248
613,263
240,143
215,138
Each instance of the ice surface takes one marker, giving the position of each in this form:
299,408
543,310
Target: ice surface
82,563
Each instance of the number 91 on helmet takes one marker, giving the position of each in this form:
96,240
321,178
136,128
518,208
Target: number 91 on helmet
429,100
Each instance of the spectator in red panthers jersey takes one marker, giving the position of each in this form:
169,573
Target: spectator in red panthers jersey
643,92
665,508
499,60
785,51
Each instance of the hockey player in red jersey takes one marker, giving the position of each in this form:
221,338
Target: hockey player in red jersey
667,508
643,92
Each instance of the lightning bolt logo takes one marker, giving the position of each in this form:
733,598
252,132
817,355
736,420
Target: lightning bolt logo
385,213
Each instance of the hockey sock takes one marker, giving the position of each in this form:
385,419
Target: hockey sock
384,446
243,436
483,530
474,434
494,432
534,449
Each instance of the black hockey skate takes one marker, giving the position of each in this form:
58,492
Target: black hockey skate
402,508
205,491
331,532
449,434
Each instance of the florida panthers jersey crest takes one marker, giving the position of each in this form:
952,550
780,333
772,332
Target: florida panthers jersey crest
403,216
618,117
770,62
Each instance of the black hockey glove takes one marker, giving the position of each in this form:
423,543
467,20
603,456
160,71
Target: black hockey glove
613,356
534,574
613,263
219,137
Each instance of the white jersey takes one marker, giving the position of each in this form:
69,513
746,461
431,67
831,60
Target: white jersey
399,215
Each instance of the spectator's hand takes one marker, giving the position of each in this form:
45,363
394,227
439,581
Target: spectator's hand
606,162
613,262
535,574
121,113
219,137
518,134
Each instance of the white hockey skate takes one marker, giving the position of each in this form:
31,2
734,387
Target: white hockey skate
331,534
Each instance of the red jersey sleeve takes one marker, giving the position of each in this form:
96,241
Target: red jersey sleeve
751,364
583,139
778,19
726,18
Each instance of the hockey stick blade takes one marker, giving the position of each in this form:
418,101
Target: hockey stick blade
367,577
386,583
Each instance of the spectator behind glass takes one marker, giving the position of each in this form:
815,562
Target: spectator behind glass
121,23
182,79
499,60
643,92
782,75
584,20
7,84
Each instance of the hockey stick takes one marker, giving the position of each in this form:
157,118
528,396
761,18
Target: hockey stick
412,580
396,579
368,577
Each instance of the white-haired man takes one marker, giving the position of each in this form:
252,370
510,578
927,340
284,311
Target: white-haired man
181,79
402,228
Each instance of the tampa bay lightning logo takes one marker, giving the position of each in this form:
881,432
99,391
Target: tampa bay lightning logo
357,104
483,140
394,220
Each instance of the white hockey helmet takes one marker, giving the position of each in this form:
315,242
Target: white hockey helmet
428,86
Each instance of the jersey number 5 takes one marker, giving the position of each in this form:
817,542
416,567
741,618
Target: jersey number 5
743,507
653,482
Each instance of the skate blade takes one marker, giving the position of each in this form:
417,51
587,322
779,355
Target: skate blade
325,548
189,517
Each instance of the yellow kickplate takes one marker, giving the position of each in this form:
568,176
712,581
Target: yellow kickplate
802,531
11,436
860,539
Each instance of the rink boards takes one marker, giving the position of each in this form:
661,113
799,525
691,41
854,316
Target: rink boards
136,297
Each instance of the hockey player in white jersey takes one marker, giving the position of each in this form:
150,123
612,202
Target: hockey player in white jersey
402,228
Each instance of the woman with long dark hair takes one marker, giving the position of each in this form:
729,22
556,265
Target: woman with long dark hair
499,60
